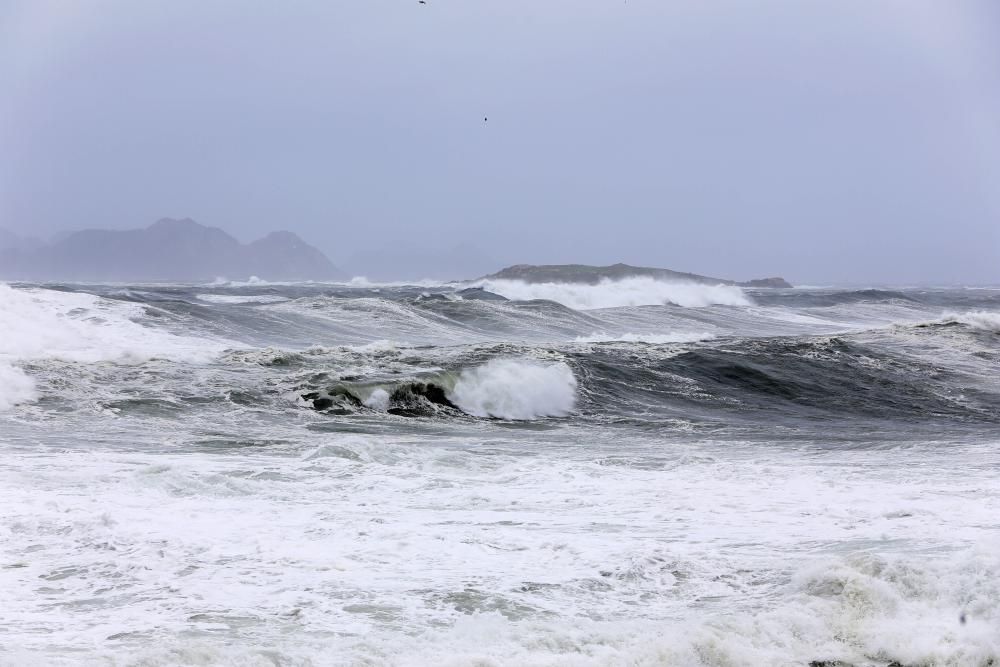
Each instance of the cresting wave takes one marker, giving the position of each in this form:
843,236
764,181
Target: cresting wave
651,338
977,319
627,292
514,389
43,324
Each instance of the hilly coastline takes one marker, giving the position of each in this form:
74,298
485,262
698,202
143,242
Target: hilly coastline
169,249
187,251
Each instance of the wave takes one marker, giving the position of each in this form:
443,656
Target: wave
982,320
502,388
42,324
241,298
516,389
15,386
755,380
651,338
80,327
618,293
856,610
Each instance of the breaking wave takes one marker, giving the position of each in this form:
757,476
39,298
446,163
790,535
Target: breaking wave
516,389
15,386
42,324
502,388
983,320
651,338
618,293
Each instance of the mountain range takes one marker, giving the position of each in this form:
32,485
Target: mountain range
169,249
186,251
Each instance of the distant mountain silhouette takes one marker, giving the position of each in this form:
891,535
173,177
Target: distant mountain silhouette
168,249
11,241
583,273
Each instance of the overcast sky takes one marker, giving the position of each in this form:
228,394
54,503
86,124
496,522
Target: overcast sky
824,141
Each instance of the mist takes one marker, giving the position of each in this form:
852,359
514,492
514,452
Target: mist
849,142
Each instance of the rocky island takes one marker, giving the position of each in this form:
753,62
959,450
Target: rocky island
584,273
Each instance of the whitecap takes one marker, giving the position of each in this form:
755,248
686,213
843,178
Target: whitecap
618,293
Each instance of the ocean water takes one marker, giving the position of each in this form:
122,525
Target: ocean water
633,473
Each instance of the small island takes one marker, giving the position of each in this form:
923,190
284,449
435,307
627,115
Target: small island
591,275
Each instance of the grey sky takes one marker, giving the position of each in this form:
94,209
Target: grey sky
824,141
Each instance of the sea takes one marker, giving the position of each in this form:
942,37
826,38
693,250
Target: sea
499,473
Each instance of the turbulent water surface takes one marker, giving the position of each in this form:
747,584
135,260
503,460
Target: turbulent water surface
632,473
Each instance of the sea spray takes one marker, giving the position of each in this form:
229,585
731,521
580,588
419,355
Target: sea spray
627,292
516,389
983,320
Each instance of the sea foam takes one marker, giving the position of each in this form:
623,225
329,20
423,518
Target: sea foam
41,324
617,293
651,338
984,320
516,389
15,386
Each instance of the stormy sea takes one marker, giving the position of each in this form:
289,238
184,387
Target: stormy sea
499,473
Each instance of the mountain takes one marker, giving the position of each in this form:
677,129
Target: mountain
168,249
11,241
583,273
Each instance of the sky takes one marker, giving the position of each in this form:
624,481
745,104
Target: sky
855,141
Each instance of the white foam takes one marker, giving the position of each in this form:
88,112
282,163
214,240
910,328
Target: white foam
74,326
15,386
41,324
427,551
984,320
618,293
242,298
516,389
378,400
655,339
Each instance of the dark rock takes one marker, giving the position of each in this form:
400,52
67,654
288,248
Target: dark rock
774,282
336,400
322,403
418,399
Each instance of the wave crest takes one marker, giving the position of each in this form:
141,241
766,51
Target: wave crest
516,389
42,324
618,293
15,386
984,320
